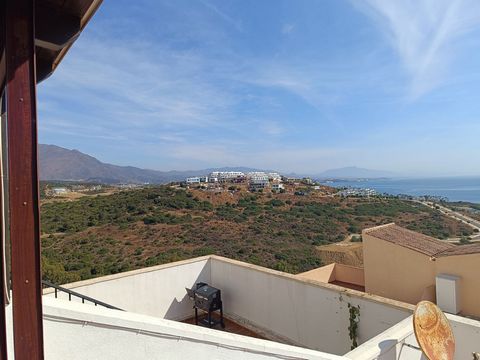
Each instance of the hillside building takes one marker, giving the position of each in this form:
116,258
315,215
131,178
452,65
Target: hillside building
291,180
277,186
307,181
195,180
59,191
257,181
273,176
414,268
407,266
226,176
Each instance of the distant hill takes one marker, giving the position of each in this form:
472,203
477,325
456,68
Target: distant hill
353,172
57,163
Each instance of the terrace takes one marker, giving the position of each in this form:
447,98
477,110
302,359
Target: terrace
269,314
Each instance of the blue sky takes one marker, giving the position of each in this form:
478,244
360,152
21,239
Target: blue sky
294,85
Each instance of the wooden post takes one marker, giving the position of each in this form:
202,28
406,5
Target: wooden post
3,286
23,180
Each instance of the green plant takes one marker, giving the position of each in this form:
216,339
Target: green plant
464,240
354,319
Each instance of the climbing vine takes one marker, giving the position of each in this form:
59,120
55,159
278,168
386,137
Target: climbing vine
354,320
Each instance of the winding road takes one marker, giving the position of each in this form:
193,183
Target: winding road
475,224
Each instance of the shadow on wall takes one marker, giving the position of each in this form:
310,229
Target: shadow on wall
388,350
182,308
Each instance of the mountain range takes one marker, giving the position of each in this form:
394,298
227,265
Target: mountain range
58,163
353,172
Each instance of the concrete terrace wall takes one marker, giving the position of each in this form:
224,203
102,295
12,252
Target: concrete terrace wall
303,312
349,274
82,332
157,291
325,274
390,344
284,307
336,272
467,336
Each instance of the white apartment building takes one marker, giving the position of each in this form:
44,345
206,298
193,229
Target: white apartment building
60,191
226,175
257,180
257,175
273,176
193,180
277,186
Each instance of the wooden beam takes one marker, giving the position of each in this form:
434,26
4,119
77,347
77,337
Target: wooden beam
3,286
23,180
3,269
54,28
2,47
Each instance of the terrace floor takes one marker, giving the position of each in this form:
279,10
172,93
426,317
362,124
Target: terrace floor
230,326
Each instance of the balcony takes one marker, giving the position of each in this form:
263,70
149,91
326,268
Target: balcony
289,316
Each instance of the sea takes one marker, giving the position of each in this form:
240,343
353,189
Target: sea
454,188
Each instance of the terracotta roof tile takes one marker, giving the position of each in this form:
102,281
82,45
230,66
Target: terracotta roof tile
409,239
461,250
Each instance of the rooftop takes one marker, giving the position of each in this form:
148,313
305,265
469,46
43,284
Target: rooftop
269,315
460,250
409,239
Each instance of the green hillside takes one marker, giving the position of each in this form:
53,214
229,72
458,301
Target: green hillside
99,235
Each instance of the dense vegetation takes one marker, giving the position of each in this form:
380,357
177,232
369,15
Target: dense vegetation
102,235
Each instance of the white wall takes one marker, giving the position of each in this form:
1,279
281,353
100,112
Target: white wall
306,313
467,336
390,344
157,291
301,312
80,332
288,309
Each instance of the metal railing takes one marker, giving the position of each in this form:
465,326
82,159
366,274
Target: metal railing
71,293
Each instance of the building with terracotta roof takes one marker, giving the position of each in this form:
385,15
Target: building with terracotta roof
404,265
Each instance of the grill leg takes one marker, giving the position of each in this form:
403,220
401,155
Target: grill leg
222,323
209,318
196,316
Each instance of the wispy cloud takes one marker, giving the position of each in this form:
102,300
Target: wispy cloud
320,84
287,28
227,18
299,159
271,128
423,32
128,85
191,84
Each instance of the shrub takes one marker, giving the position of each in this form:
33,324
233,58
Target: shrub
356,239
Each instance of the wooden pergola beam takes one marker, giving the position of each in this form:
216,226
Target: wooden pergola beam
23,180
54,28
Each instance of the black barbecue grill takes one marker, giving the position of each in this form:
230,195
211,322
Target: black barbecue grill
207,299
